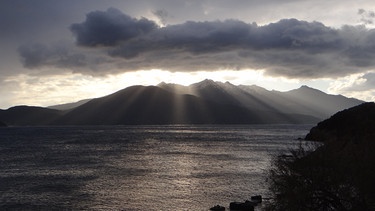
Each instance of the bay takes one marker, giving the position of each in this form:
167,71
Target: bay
174,167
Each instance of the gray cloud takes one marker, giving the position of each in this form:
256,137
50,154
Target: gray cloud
110,27
367,83
289,47
37,55
367,17
67,58
162,15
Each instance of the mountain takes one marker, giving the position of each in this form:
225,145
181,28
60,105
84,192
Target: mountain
68,106
154,105
29,115
304,100
206,102
317,103
176,88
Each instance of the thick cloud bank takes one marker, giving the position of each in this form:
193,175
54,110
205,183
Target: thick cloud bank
39,54
289,47
109,28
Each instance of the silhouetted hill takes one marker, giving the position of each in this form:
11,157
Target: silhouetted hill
2,124
303,101
206,102
29,115
68,106
354,124
154,105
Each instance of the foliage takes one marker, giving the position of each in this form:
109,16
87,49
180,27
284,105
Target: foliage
338,175
319,180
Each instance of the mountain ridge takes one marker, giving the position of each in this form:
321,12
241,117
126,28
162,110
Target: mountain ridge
304,100
154,105
205,102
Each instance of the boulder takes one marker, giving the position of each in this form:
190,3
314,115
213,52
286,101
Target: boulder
242,206
257,199
217,208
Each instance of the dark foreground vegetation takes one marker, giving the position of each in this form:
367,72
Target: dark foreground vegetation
2,124
337,174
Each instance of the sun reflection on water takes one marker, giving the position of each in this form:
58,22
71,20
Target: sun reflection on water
138,168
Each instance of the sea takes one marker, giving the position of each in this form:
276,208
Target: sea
168,167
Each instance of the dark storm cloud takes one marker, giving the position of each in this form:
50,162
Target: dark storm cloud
289,47
36,55
64,56
110,27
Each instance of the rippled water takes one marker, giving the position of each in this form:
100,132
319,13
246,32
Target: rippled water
137,167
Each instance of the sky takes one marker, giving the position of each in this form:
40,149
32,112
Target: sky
55,52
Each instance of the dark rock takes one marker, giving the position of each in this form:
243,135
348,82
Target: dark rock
217,208
257,199
242,206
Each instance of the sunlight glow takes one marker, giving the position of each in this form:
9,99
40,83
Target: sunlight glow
354,85
347,82
66,88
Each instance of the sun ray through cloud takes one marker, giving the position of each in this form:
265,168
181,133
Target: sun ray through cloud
182,43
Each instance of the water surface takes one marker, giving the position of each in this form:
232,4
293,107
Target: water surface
138,167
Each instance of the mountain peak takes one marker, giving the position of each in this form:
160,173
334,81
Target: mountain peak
161,84
207,81
168,84
204,83
305,88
